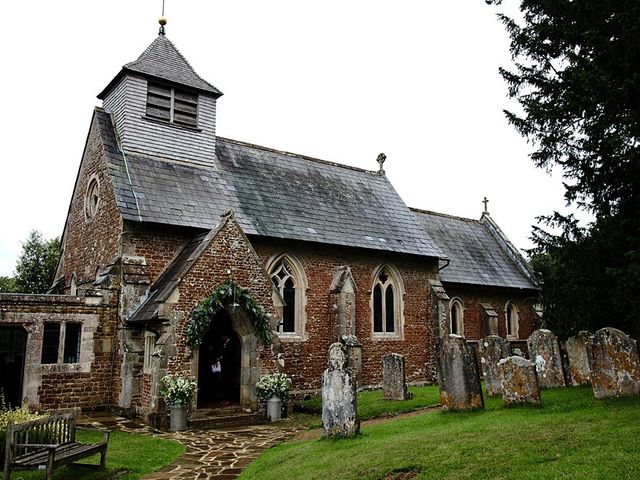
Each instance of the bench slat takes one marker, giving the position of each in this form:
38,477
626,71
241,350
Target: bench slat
63,454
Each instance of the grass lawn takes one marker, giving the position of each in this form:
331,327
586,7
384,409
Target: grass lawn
571,436
372,405
129,457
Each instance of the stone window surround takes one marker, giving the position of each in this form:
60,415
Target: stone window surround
301,286
460,320
511,305
90,211
395,279
61,342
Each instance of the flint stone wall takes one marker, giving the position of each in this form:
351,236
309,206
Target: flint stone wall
613,360
394,385
578,359
491,350
457,375
518,381
544,351
339,401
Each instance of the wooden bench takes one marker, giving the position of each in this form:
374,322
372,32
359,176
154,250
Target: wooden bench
46,444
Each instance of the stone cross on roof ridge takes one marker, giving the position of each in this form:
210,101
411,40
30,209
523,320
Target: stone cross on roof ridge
485,201
381,158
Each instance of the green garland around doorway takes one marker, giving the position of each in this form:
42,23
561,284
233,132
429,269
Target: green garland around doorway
201,316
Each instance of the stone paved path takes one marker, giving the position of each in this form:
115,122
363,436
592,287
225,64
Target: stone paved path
211,454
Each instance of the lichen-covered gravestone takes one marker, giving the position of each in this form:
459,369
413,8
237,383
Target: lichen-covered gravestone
457,375
339,401
544,352
491,350
354,358
578,358
518,381
613,359
394,385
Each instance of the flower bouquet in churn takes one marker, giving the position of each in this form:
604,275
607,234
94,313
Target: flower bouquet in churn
275,390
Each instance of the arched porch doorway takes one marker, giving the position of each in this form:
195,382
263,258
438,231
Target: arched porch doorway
13,344
231,341
219,364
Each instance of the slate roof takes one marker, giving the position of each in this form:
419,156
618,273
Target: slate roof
162,60
478,252
274,194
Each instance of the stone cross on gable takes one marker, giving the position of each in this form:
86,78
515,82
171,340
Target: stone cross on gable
381,158
485,201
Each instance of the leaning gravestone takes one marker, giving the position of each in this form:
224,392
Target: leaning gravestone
578,358
339,401
613,359
394,385
544,351
518,381
457,375
491,350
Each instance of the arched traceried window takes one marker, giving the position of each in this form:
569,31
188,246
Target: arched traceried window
511,314
288,277
457,317
386,302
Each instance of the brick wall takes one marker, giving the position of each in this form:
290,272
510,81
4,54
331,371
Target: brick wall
306,360
86,384
90,243
498,298
158,244
229,250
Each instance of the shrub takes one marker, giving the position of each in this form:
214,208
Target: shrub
15,415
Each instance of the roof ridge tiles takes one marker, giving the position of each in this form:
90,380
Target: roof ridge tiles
446,215
297,155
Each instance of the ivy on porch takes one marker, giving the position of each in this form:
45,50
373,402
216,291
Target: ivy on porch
201,316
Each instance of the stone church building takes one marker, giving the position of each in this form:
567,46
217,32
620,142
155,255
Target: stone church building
165,214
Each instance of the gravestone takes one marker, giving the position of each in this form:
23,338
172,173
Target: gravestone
518,381
394,385
491,350
578,358
457,375
354,358
613,361
339,401
544,352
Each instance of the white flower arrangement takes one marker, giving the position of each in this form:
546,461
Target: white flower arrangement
177,390
274,384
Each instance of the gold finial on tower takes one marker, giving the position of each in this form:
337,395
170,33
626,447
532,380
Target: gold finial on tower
162,20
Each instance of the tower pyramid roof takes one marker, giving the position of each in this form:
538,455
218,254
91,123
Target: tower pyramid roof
162,60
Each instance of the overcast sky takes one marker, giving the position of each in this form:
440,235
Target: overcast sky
337,80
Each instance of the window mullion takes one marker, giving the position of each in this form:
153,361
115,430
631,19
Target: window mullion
63,328
383,291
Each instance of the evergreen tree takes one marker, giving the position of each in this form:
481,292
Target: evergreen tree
576,77
37,264
7,284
